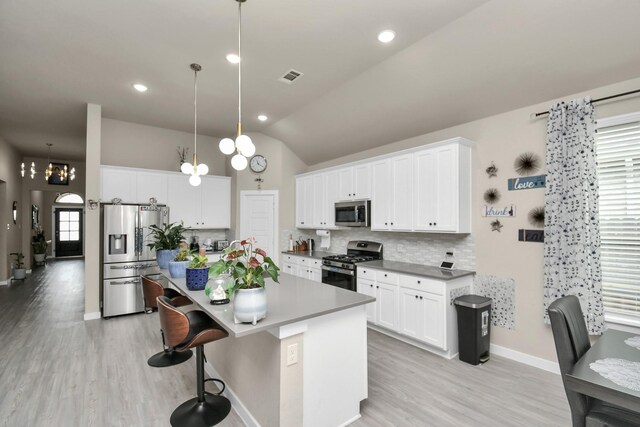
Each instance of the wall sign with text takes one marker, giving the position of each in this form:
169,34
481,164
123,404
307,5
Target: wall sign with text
527,182
531,236
496,211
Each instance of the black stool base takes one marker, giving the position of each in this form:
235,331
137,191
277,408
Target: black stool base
201,414
169,358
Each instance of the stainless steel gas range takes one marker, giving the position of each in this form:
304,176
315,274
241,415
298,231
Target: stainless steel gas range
340,270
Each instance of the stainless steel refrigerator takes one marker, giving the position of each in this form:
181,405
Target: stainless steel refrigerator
125,255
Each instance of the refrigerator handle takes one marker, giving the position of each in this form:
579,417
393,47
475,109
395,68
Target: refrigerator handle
137,241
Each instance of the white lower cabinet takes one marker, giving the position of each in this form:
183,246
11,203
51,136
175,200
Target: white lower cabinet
414,307
308,268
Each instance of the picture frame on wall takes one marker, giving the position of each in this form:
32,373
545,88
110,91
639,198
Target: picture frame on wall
57,177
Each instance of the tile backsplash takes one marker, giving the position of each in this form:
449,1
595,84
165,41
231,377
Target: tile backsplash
418,248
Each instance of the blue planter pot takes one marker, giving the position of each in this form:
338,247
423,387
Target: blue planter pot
178,269
197,278
164,256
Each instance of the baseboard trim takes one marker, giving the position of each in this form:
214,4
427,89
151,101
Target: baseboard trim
527,359
408,340
357,417
236,403
4,282
92,316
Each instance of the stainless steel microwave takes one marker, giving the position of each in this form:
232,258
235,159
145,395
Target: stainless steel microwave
353,214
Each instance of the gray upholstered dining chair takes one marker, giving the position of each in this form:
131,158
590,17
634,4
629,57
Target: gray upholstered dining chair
572,342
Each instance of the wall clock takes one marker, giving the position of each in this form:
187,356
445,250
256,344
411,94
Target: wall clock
258,163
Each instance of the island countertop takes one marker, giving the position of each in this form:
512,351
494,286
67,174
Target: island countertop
292,300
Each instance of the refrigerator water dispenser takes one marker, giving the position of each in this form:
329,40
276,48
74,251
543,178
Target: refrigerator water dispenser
117,244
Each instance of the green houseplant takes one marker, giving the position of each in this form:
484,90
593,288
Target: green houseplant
39,245
166,240
19,272
197,273
248,267
178,266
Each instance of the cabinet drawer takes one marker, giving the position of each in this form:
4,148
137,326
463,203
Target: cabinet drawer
291,259
302,261
366,273
388,277
315,263
422,284
366,286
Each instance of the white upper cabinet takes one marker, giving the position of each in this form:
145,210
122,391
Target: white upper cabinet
425,189
304,202
152,184
392,194
207,206
443,189
118,183
354,182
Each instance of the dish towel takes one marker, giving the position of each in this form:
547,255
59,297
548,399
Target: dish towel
622,372
633,342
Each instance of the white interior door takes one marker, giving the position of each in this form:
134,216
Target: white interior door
259,219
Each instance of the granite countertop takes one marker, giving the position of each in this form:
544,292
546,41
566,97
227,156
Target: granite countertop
310,254
417,269
292,300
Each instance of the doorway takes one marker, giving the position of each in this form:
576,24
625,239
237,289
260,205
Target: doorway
259,219
68,226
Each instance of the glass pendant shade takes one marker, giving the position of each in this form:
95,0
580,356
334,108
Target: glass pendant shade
195,180
186,168
202,169
239,162
245,146
227,146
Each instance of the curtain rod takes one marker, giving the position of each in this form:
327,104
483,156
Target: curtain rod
536,115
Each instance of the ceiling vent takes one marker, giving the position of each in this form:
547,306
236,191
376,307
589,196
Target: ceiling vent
291,76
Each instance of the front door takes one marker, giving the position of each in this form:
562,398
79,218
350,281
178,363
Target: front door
68,232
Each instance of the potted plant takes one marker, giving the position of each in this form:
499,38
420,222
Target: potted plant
197,273
178,266
40,245
19,272
167,239
248,267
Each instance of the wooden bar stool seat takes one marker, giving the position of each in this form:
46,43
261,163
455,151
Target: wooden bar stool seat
151,290
184,331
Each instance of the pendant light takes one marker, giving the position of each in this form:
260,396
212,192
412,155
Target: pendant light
243,146
195,169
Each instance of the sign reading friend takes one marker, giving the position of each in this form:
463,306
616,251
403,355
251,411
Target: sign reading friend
531,236
527,182
494,211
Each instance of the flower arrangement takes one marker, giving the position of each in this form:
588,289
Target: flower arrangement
168,237
246,265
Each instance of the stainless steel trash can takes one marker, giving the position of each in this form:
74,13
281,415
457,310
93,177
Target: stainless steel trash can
474,328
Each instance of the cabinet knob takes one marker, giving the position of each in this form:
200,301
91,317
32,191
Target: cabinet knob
416,296
418,281
386,223
391,223
378,287
420,297
385,275
430,224
435,223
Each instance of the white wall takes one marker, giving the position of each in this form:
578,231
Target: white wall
501,139
148,147
10,185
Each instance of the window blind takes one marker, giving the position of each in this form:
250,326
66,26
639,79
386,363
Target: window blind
618,151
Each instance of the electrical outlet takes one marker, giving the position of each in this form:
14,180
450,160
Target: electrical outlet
292,354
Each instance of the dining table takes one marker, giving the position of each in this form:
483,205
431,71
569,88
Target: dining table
583,379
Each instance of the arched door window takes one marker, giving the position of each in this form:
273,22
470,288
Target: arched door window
69,198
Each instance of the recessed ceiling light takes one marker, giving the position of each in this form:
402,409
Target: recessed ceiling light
386,36
233,58
263,118
140,87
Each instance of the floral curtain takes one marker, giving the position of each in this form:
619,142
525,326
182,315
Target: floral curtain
571,229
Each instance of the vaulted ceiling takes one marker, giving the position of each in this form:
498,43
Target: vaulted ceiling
451,62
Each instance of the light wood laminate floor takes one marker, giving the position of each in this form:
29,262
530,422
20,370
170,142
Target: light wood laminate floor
58,370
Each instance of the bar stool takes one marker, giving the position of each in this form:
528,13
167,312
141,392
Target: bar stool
152,290
184,331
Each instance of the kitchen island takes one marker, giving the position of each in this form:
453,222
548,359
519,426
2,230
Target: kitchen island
305,364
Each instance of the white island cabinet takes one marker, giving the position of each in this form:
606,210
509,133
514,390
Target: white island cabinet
412,307
307,360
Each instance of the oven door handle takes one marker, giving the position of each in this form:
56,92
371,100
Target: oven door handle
339,270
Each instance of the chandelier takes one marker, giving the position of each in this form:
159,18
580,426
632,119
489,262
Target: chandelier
242,146
62,171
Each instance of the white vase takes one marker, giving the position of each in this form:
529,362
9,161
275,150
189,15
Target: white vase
38,258
249,305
